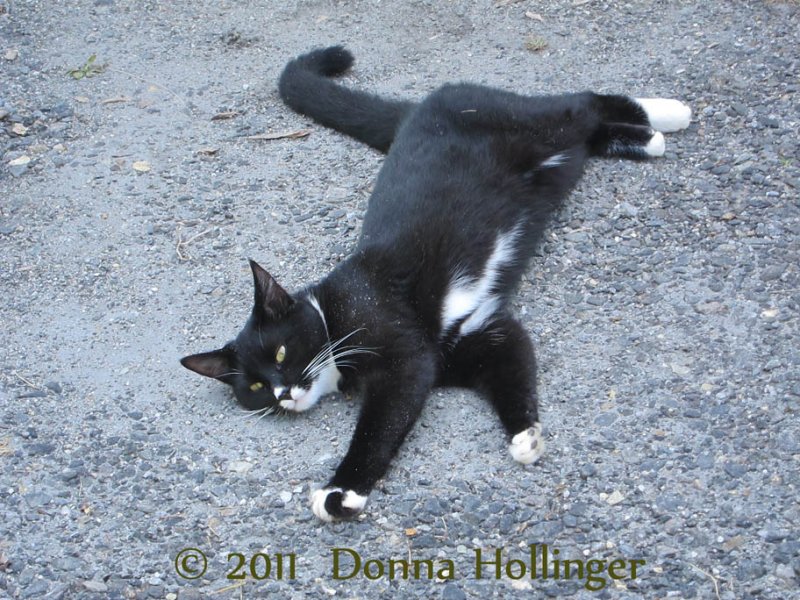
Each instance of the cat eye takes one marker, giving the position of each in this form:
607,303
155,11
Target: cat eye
256,386
280,355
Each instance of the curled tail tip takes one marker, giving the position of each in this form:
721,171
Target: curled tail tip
336,60
329,62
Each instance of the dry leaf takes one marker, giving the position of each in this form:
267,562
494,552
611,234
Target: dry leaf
225,115
142,166
12,54
207,151
115,100
19,129
534,16
301,133
22,160
411,532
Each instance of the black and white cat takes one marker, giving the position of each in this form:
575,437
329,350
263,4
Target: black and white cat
471,176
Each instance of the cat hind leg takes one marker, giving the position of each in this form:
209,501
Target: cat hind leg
499,361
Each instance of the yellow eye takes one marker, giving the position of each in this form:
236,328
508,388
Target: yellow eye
280,355
256,386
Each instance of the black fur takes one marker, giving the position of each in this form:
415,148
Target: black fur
465,166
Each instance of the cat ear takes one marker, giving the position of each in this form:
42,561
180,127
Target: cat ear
215,364
270,297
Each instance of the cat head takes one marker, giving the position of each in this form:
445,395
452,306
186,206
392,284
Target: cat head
278,360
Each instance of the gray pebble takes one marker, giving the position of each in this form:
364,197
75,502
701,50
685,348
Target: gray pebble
452,592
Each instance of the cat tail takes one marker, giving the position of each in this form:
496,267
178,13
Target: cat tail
304,86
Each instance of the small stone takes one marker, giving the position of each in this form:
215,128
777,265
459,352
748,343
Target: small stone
285,497
772,273
240,466
773,536
605,419
615,498
95,586
709,308
785,572
41,448
452,592
734,469
54,387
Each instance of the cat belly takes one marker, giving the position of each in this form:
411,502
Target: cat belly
472,300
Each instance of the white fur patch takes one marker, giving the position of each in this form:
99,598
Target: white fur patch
527,446
350,499
312,300
666,115
656,145
326,382
471,298
555,161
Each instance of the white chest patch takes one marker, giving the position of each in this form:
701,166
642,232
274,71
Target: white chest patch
471,298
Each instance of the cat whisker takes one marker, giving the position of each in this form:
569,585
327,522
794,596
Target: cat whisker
249,414
323,357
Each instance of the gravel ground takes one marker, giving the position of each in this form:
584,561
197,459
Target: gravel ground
664,305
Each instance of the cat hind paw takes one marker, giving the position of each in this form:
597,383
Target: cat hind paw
527,446
665,114
330,504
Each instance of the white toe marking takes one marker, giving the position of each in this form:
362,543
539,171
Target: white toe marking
350,499
666,115
469,297
354,501
656,145
527,446
318,503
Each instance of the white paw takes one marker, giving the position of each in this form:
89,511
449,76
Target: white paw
666,115
656,145
527,446
346,503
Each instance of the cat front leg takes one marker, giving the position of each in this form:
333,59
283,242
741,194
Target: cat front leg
393,400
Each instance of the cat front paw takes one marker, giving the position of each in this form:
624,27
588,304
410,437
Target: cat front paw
334,503
527,446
